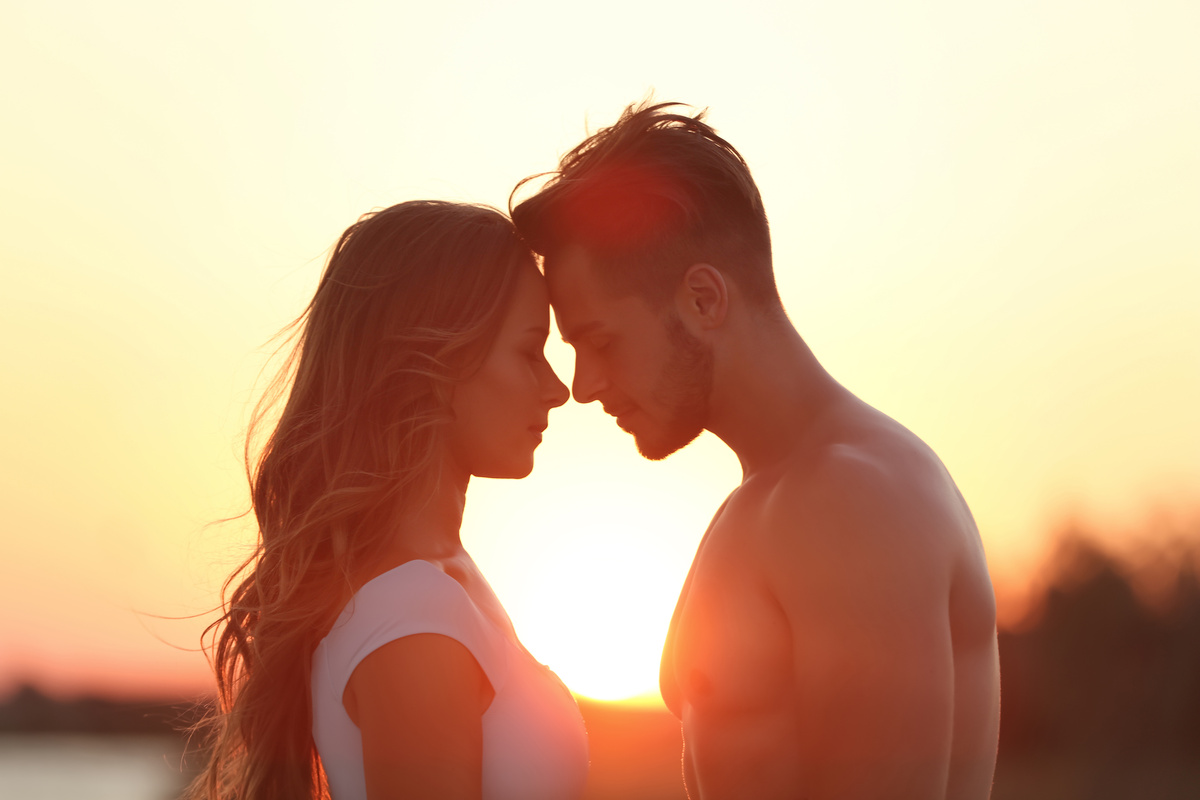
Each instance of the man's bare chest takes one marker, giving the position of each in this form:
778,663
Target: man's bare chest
729,648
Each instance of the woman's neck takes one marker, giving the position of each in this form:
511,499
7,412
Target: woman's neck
427,528
430,526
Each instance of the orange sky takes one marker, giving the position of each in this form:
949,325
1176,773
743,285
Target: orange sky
985,224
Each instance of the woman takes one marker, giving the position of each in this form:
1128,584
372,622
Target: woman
361,630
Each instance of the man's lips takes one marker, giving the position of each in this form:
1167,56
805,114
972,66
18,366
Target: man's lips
617,411
621,415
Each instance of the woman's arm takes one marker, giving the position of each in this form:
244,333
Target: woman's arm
419,703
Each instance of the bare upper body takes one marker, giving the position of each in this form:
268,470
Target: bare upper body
836,635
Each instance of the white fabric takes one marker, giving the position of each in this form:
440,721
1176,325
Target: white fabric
534,743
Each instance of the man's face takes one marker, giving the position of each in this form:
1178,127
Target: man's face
638,361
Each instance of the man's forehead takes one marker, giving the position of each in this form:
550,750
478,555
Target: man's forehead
575,275
584,303
570,268
576,293
577,314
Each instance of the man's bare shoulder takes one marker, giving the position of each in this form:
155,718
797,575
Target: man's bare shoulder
867,515
862,483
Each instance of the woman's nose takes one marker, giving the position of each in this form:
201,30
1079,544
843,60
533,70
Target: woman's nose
556,391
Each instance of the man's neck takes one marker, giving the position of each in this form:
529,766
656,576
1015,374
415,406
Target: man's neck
768,390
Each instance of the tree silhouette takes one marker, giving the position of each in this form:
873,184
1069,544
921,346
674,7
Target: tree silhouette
1101,694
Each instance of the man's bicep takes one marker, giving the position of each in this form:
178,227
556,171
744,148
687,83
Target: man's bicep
874,678
883,733
871,651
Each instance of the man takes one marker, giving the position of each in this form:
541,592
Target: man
836,635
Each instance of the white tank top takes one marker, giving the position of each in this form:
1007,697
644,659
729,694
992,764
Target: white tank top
534,743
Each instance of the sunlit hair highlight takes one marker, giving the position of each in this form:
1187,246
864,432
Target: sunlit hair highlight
409,303
648,197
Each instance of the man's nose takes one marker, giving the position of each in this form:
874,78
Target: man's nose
589,380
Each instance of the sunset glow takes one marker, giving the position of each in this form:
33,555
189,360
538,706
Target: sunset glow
984,219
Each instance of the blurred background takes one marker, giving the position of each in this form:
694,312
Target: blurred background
985,221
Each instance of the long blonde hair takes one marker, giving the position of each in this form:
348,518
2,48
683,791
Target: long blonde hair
409,302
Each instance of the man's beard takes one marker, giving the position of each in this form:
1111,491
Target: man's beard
684,390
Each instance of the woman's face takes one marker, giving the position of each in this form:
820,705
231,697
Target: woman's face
501,410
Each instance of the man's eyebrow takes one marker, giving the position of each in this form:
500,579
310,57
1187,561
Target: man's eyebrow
580,332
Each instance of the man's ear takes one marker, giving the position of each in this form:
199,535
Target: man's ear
702,299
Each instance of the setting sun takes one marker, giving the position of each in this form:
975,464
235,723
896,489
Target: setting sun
605,636
603,558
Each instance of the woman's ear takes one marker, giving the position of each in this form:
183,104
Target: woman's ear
702,300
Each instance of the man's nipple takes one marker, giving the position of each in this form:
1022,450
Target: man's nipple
697,686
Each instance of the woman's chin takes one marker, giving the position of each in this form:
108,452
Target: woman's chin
513,471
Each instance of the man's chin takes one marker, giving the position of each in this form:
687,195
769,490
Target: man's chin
656,448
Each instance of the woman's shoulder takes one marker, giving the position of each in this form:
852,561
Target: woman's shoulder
416,587
414,569
415,597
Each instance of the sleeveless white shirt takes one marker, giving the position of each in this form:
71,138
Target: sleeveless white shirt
534,743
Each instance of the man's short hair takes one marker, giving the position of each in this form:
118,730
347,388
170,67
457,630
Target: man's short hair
647,198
